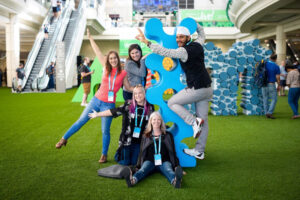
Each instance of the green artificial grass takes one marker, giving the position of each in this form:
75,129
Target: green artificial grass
247,157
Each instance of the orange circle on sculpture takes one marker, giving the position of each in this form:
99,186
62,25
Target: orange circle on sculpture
168,63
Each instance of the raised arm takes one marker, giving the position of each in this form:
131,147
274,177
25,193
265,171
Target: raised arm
96,49
201,35
179,53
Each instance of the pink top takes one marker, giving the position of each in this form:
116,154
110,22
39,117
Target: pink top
102,93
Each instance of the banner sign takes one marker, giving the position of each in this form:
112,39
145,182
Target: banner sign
124,45
208,18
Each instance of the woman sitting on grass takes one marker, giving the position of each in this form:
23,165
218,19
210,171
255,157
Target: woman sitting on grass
104,99
159,155
135,118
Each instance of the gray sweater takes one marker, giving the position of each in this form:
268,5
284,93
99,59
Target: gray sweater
135,74
180,52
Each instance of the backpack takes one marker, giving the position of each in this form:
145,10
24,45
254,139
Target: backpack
260,77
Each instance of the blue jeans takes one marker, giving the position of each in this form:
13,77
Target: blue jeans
148,167
293,98
98,106
129,154
51,81
269,93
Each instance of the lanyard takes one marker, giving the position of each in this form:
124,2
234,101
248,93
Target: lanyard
159,145
88,68
136,116
113,85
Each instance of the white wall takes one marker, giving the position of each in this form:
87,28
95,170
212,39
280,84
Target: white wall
207,5
121,7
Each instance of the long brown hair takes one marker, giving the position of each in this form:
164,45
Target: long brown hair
137,47
149,128
108,67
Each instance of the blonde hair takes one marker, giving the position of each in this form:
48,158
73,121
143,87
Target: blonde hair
137,87
149,128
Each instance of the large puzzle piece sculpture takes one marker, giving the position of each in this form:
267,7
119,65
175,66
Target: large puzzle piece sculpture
241,58
169,79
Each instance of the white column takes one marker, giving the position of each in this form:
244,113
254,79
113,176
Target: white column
280,43
60,67
12,33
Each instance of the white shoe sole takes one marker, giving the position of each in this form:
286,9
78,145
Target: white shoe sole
200,127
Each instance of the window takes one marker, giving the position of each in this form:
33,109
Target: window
186,4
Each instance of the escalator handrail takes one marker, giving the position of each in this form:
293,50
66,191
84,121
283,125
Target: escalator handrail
35,48
81,21
57,36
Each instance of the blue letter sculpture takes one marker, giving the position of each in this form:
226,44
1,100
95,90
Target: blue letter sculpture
241,58
169,79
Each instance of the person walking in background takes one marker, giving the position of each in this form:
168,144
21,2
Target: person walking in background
59,7
157,153
269,92
86,73
293,82
20,76
54,9
283,75
104,99
0,77
46,30
50,72
135,114
191,57
135,68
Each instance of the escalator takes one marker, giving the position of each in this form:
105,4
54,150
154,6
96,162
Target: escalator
41,56
43,50
291,50
72,39
70,30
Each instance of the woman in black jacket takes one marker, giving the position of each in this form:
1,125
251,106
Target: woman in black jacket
135,114
159,155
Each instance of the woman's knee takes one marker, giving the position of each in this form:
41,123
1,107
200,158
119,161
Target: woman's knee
171,104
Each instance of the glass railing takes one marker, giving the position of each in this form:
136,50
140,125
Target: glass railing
76,41
35,49
57,36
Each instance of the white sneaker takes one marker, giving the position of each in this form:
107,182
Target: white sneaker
197,125
194,153
84,104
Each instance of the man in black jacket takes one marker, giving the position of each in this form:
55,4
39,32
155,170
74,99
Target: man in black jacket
191,57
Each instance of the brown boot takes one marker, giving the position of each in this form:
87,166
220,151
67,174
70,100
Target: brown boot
103,159
62,142
270,116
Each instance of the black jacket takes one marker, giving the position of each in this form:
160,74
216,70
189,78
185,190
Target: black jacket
194,68
126,133
168,140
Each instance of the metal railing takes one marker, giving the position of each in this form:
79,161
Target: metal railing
75,45
57,36
35,49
